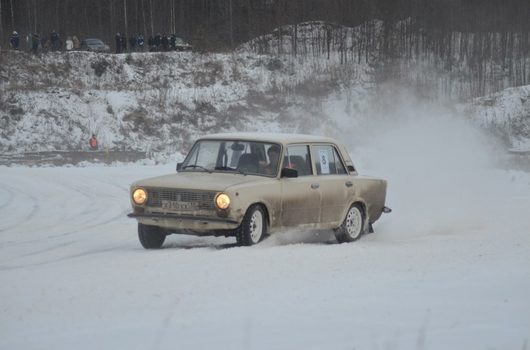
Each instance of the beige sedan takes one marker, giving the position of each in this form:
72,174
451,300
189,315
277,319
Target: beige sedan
249,185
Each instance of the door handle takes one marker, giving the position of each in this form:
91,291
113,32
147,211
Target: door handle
315,186
349,184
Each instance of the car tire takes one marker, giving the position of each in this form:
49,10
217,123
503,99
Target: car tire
253,228
151,237
353,225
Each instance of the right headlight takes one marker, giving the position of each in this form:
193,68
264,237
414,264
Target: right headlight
222,201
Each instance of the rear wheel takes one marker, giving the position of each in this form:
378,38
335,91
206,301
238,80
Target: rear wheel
352,227
253,228
151,237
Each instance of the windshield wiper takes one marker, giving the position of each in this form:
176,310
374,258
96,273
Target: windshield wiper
229,169
197,166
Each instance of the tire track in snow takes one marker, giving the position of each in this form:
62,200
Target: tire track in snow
9,197
34,208
62,258
91,217
87,219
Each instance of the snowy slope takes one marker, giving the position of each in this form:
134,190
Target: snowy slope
158,103
507,114
135,105
155,102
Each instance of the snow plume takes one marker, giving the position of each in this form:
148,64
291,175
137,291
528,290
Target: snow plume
440,167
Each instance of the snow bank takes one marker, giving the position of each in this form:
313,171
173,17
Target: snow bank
506,114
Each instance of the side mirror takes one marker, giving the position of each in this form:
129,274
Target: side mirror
351,169
288,172
179,166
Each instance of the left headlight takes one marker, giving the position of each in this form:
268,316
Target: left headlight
222,201
139,196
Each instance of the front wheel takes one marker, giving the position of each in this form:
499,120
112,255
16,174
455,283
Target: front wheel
151,237
352,227
253,228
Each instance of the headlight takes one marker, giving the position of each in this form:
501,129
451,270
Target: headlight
139,196
222,201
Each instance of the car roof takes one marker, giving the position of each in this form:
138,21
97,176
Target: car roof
270,137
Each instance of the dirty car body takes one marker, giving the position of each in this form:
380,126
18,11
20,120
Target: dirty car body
249,185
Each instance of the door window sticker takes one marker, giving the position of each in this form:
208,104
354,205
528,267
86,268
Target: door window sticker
323,156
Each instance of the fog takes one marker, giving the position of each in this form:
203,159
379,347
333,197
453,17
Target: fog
443,172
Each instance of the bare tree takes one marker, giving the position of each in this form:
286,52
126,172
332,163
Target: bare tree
125,19
1,27
12,16
143,17
151,17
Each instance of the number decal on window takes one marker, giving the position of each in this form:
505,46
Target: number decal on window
324,161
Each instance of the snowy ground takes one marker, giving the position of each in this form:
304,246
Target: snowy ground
448,269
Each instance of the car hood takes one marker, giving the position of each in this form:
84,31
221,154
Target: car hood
198,181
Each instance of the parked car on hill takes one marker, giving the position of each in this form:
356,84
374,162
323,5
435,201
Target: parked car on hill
248,185
95,45
181,45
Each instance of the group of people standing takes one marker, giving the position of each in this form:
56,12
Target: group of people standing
36,43
155,43
159,42
136,43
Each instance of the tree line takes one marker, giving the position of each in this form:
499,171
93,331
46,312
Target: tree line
479,46
224,24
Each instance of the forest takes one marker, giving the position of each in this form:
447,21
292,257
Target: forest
457,48
223,24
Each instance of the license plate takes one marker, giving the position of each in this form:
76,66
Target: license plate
174,205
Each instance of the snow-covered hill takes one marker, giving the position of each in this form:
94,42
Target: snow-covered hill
157,103
153,101
506,114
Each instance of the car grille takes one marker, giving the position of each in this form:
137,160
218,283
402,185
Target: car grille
194,200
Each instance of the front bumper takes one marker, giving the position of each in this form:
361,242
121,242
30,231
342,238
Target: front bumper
183,222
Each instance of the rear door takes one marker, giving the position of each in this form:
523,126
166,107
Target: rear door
300,195
336,186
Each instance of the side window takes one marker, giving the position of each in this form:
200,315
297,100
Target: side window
297,157
341,170
327,161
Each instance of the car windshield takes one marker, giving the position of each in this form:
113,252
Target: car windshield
236,156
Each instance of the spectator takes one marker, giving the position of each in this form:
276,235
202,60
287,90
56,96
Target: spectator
35,43
158,42
29,41
165,42
173,42
14,40
151,43
123,43
45,44
77,43
140,42
55,41
118,43
69,44
93,142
